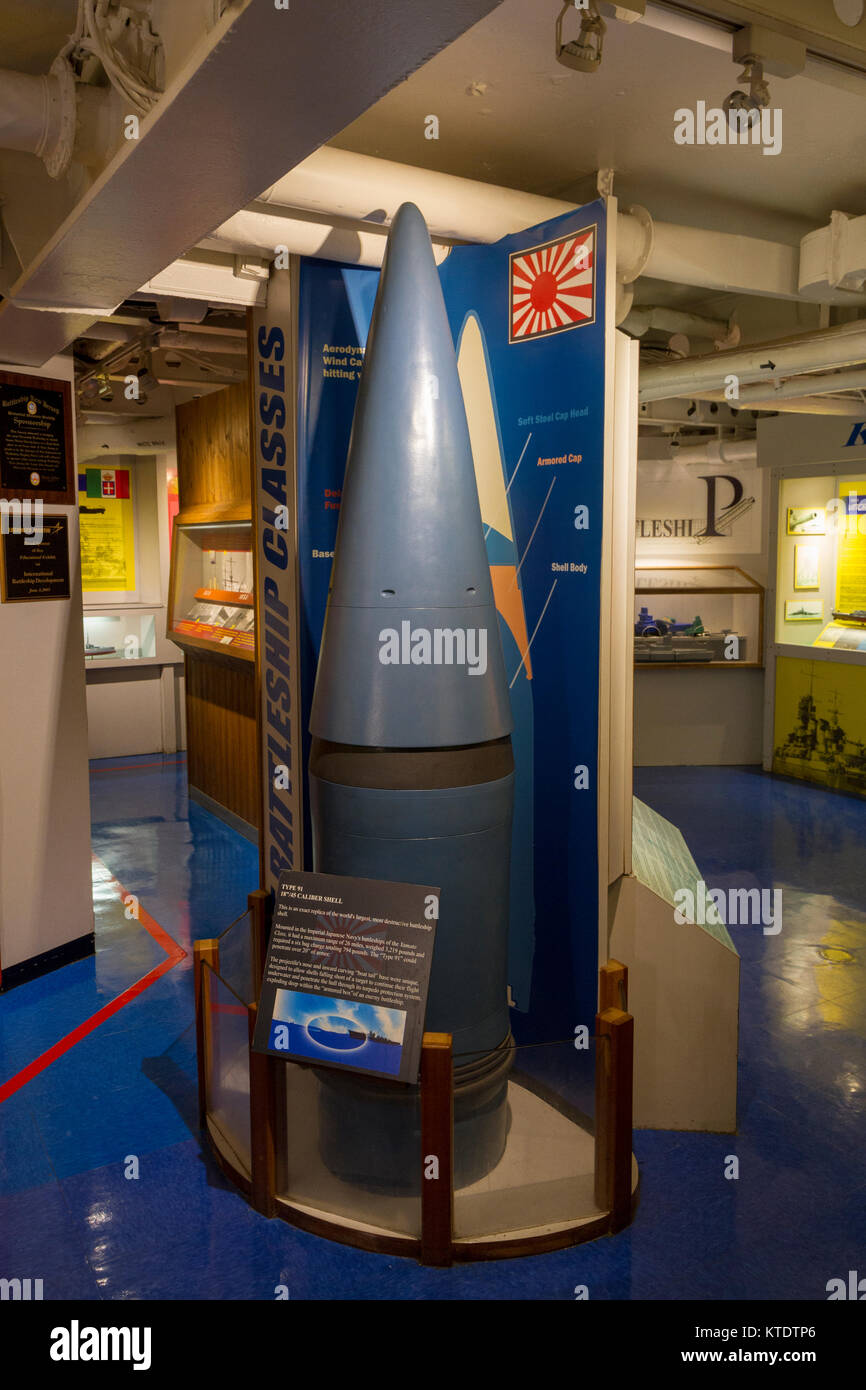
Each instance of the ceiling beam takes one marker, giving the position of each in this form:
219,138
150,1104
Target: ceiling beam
270,87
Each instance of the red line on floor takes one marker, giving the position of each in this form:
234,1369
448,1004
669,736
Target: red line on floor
174,953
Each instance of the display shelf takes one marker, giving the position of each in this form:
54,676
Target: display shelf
709,616
211,603
821,563
120,635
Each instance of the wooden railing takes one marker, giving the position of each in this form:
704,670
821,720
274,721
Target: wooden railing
614,1184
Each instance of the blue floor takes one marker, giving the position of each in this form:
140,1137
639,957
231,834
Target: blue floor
793,1220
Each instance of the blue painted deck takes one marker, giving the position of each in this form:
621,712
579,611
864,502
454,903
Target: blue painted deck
793,1220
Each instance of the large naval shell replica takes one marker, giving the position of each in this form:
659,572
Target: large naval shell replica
411,769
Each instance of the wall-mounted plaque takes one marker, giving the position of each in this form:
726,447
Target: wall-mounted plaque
28,572
36,458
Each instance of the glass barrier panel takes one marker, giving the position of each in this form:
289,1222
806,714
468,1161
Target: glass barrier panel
352,1148
235,957
227,1066
524,1145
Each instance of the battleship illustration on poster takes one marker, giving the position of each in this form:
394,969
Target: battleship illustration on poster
821,724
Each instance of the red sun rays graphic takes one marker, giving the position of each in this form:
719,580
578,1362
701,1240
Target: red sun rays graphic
553,286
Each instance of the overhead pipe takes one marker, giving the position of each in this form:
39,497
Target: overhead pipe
841,346
795,388
817,405
260,229
364,192
31,112
54,117
742,451
642,317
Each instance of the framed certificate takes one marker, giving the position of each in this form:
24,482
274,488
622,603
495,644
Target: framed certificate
36,455
30,573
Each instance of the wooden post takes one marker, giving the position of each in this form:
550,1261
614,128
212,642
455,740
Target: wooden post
203,951
613,986
614,1065
258,904
262,1151
437,1149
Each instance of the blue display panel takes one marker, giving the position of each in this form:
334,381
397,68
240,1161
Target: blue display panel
528,322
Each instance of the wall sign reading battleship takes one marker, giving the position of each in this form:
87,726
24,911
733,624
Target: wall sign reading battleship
681,509
347,973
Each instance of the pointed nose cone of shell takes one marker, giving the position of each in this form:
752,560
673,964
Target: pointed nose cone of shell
411,654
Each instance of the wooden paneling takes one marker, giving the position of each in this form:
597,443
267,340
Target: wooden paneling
222,755
213,450
214,484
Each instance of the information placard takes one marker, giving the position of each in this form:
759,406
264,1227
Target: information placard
347,973
36,458
34,572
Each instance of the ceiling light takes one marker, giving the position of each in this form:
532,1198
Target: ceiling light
582,54
146,379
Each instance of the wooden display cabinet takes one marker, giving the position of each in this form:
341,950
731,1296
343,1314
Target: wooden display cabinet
211,610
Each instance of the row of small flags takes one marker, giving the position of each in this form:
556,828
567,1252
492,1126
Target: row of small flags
104,482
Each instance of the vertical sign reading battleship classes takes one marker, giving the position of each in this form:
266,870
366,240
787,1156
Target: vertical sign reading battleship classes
528,320
347,973
272,385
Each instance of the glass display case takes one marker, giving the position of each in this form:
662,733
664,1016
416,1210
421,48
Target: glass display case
211,603
116,635
689,615
821,563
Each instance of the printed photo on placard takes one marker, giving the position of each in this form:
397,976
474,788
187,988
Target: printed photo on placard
327,1029
806,521
807,567
804,610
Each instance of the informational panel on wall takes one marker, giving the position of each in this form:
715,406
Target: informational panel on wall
36,457
851,562
528,320
347,972
107,524
30,572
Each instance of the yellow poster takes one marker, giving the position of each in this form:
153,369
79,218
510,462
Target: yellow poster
851,560
107,536
820,723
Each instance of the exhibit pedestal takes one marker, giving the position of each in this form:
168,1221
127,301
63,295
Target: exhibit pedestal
566,1173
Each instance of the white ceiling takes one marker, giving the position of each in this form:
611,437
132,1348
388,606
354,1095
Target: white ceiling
509,113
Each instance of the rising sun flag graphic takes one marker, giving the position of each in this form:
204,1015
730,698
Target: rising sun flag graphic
552,287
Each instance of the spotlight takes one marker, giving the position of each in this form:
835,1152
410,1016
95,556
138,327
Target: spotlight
743,110
582,54
90,390
146,379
